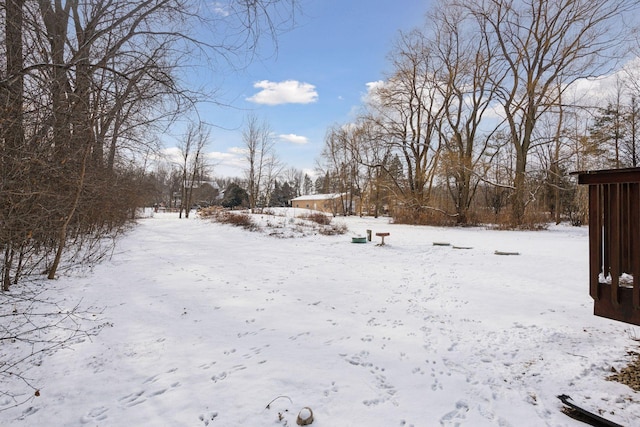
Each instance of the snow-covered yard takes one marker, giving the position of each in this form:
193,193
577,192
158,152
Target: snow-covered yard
208,324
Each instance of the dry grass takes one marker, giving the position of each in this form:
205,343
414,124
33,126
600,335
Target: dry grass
333,229
318,218
277,225
431,217
238,219
630,375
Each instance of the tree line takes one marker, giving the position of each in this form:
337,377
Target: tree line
84,87
480,118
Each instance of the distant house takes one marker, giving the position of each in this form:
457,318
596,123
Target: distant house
334,203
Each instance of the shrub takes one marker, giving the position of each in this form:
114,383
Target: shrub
318,218
211,211
333,229
238,219
433,217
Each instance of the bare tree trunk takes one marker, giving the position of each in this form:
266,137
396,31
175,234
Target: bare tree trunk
542,45
518,201
556,163
6,268
260,156
11,127
62,233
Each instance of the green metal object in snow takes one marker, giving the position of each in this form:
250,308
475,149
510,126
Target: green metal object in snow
358,240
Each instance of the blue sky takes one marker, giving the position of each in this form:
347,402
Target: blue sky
316,78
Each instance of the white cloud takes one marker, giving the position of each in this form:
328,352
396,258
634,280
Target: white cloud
229,163
220,157
294,139
371,86
286,92
171,154
220,9
371,95
237,151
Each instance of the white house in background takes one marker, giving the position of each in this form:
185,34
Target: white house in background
334,203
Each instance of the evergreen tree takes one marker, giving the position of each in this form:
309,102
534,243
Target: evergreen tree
608,131
282,194
307,186
234,196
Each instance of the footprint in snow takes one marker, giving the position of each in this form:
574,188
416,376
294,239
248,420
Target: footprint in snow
207,365
96,414
454,417
333,389
219,377
151,379
208,417
132,399
29,411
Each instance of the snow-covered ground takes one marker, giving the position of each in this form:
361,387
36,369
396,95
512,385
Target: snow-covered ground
208,324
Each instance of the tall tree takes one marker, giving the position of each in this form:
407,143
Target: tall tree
544,44
261,162
341,161
192,164
408,110
467,94
12,233
307,185
83,88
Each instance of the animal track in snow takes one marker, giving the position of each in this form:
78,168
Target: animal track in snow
330,342
96,414
219,377
208,417
29,411
387,391
132,399
255,351
207,365
454,417
333,389
224,374
141,396
295,337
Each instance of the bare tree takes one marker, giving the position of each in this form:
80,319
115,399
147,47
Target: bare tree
55,326
408,110
192,164
83,87
340,166
12,234
375,156
262,165
544,44
467,92
295,178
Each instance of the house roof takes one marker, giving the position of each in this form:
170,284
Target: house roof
330,196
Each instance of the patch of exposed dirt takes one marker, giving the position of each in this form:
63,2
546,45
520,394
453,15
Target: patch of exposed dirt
629,375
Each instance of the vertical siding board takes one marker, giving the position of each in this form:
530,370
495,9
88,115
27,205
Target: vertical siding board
614,246
634,235
606,229
595,240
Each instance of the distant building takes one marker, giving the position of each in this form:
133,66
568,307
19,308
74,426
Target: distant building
334,203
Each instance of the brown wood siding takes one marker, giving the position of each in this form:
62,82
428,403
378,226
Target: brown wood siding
614,242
